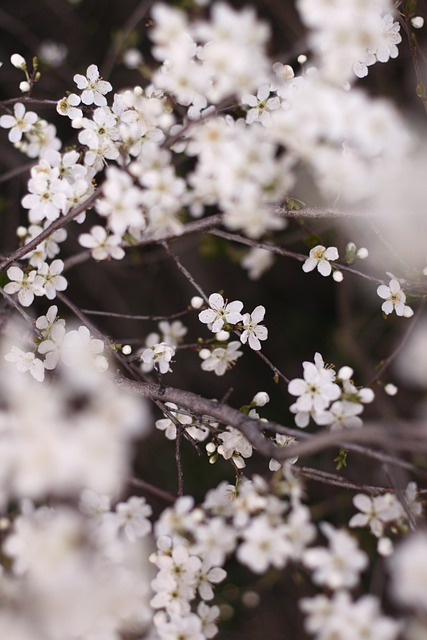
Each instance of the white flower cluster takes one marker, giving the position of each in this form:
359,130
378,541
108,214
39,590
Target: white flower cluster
175,420
222,314
337,134
244,187
194,542
80,573
382,511
209,59
46,280
349,35
160,348
74,348
59,438
334,616
327,398
29,133
85,579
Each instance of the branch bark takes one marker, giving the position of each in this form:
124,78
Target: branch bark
401,437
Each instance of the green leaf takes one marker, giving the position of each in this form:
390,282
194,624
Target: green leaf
421,90
312,240
341,459
410,8
293,204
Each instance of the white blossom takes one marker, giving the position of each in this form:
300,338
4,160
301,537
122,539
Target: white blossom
253,332
221,312
394,298
26,285
339,565
160,355
21,122
319,258
92,86
221,359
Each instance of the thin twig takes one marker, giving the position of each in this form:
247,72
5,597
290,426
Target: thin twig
184,271
410,329
179,462
130,24
126,316
414,49
339,481
17,171
234,237
150,488
195,226
56,224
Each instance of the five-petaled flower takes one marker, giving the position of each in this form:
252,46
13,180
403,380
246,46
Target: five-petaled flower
160,356
26,285
319,257
252,331
220,312
94,88
21,122
394,299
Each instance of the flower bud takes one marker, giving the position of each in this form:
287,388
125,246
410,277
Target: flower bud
196,302
345,373
211,447
417,22
222,336
24,86
338,276
18,61
390,389
260,399
362,253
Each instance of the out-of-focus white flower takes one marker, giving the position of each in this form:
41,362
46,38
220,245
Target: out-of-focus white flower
338,566
257,261
376,512
408,567
26,362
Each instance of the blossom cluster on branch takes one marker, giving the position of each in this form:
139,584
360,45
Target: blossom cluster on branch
213,142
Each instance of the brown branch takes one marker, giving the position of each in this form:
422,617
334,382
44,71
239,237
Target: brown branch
316,213
410,437
126,316
17,171
131,23
150,488
335,480
234,237
410,329
414,49
196,226
56,224
184,271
